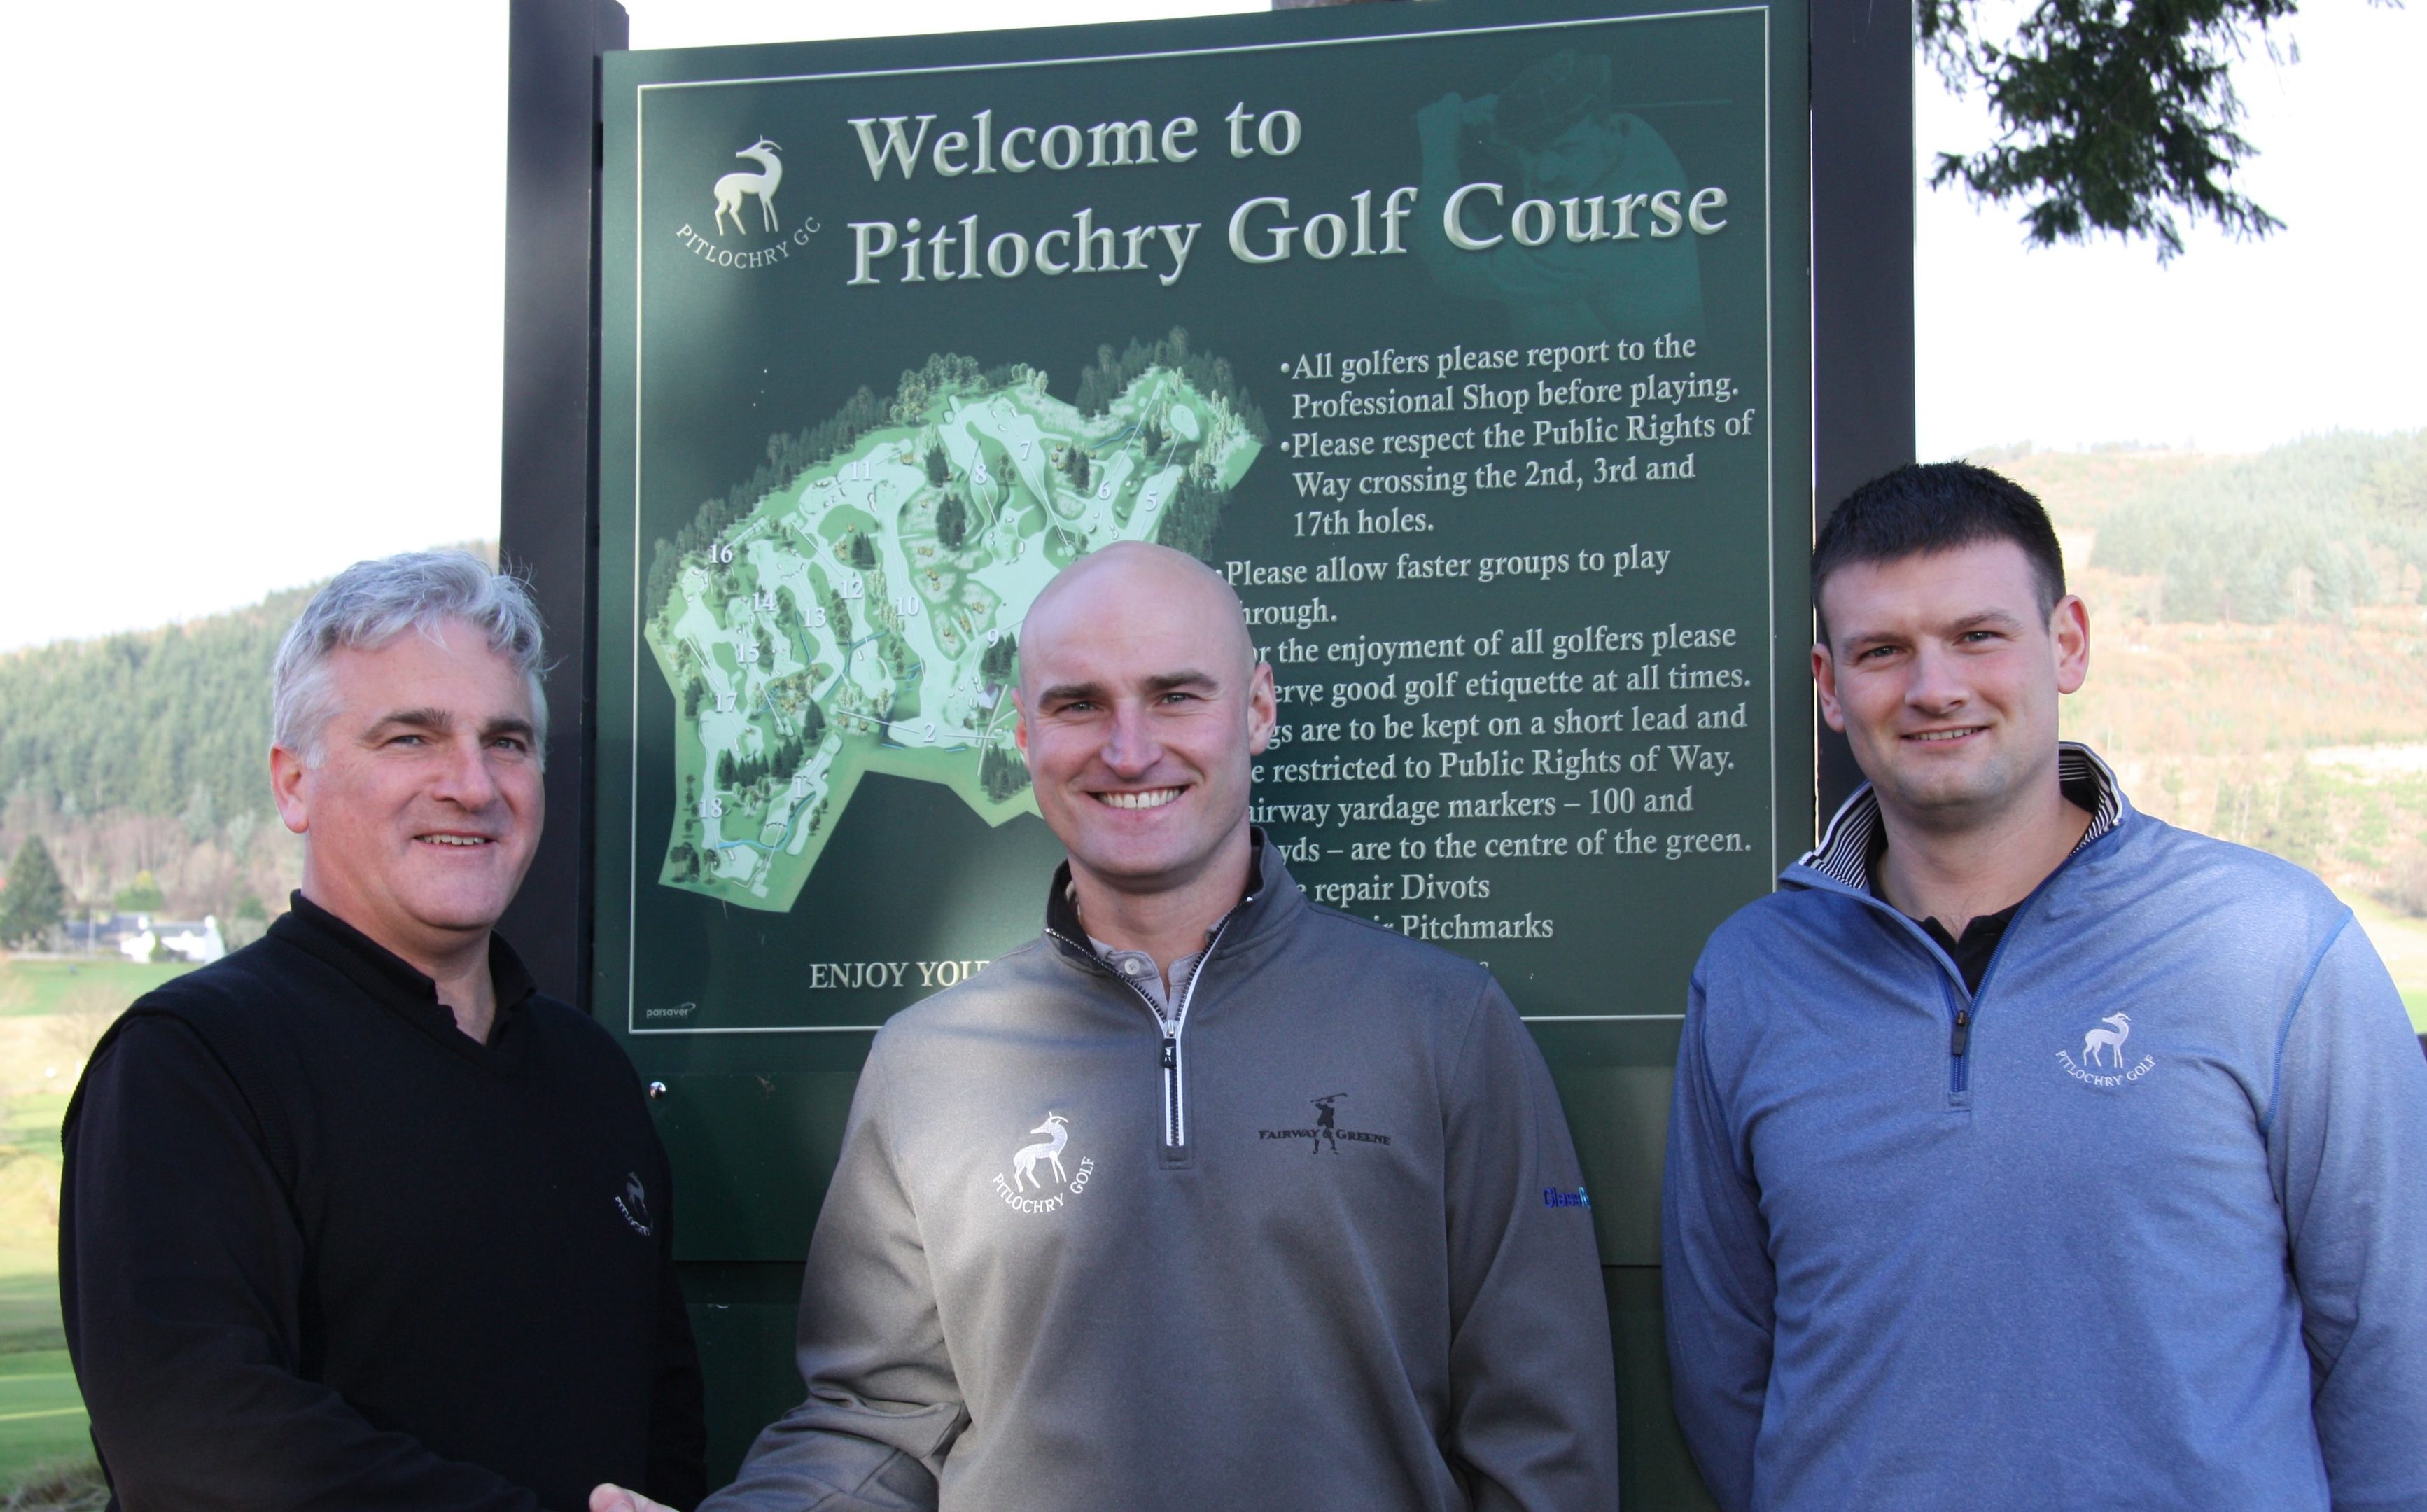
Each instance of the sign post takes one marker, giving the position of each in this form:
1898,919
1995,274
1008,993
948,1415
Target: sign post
1471,345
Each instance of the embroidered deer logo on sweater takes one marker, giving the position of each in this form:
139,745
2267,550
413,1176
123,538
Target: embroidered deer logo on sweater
2110,1041
1023,1161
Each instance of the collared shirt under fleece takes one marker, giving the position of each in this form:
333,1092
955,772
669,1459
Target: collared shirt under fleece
1077,1258
2141,1224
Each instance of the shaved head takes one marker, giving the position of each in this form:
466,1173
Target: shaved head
1142,710
1099,591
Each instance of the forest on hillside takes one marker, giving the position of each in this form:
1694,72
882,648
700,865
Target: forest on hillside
141,760
171,722
2259,642
2306,532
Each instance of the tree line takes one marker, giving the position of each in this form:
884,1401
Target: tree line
162,721
2314,529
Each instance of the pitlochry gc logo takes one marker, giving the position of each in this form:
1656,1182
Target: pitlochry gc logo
1025,1177
1324,1132
2102,1055
634,1204
732,186
735,243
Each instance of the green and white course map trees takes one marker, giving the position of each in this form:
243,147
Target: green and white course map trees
865,616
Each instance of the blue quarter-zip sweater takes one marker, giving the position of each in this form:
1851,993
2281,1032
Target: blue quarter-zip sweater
2141,1224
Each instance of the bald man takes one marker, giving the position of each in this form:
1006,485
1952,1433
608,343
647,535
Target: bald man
1208,1197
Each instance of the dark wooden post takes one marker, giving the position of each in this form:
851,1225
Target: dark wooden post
548,504
1861,270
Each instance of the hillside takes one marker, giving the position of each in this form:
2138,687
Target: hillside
2258,648
147,753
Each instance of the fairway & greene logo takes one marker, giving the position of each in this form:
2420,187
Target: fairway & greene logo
2102,1055
1025,1177
1324,1132
732,241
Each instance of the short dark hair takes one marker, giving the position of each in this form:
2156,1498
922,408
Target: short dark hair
1926,507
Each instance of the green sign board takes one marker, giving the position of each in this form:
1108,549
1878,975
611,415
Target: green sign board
1468,342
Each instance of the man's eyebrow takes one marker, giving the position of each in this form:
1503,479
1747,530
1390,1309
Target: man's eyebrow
1064,692
427,719
442,722
1987,619
1162,682
1189,678
1855,638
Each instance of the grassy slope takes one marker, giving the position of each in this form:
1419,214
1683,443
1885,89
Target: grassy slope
49,1011
49,986
41,1417
2403,941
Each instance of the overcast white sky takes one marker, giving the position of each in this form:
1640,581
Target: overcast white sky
230,370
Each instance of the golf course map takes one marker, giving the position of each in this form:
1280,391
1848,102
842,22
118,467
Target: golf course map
862,614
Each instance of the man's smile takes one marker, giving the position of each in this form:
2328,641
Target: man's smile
1947,735
444,838
1151,798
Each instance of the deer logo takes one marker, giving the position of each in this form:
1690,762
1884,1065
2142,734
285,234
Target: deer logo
1023,1161
634,1204
732,186
2110,1041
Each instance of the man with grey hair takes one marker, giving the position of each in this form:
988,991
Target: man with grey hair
355,1218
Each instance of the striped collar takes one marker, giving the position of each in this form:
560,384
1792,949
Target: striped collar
1844,854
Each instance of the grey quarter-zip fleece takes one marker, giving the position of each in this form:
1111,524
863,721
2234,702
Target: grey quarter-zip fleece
1315,1239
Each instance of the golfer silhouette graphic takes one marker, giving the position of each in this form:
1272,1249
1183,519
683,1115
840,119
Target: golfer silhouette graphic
1324,1125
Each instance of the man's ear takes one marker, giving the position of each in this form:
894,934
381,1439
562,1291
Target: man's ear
1019,724
2069,630
287,776
1824,677
1264,708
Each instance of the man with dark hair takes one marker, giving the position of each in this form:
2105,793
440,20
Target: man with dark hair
1921,510
2027,1151
356,1218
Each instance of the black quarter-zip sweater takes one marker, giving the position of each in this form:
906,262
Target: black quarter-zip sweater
320,1249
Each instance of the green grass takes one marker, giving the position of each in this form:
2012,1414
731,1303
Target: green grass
47,986
2416,1003
42,1416
29,1317
45,1452
30,1122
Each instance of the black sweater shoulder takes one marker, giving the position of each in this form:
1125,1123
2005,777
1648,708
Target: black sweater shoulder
438,1281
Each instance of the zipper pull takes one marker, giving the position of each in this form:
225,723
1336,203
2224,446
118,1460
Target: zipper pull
1962,1037
1170,1052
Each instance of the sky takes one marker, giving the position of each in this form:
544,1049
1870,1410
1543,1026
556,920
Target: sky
2236,345
258,283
